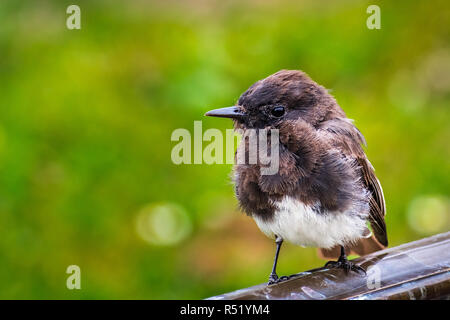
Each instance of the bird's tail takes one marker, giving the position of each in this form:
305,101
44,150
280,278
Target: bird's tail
362,247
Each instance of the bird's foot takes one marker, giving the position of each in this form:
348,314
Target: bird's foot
346,265
273,278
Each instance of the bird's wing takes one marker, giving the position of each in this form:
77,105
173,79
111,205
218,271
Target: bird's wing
349,140
377,204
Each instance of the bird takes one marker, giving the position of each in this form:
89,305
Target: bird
325,193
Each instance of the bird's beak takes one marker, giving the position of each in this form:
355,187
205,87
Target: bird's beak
230,112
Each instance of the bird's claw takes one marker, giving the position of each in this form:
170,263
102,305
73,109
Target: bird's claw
273,278
346,265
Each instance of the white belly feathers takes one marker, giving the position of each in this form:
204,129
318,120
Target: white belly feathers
301,225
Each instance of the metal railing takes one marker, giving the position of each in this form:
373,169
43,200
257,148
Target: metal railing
415,270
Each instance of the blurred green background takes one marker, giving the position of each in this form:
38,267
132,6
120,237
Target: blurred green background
86,118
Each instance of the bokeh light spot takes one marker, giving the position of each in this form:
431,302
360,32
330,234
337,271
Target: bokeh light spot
429,214
163,224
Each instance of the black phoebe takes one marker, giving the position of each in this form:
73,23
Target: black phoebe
325,192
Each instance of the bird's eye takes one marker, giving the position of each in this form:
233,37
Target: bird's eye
277,111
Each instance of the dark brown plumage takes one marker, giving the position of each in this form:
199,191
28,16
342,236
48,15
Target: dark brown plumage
323,170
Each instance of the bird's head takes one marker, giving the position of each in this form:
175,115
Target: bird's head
285,95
